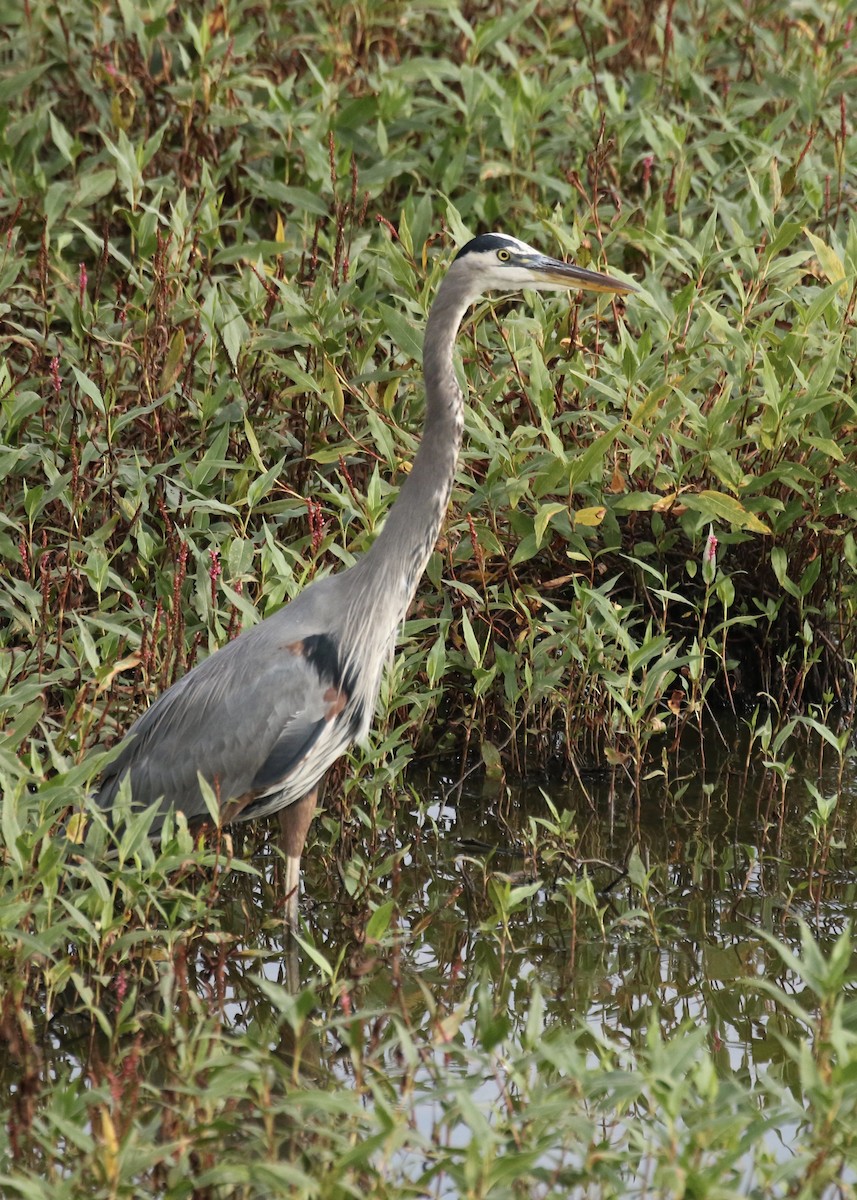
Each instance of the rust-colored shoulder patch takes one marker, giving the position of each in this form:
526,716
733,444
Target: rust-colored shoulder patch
336,701
294,647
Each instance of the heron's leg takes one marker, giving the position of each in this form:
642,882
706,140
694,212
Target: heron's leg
295,821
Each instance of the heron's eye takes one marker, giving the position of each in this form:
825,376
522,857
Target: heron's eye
503,255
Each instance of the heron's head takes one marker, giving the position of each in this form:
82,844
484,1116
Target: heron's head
495,260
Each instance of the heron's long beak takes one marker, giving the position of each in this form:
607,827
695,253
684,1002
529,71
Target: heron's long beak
562,274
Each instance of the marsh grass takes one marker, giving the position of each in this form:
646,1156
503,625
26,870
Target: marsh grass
595,1007
220,232
221,240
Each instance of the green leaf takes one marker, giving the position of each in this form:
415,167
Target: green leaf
89,389
62,139
584,466
470,640
379,922
543,518
436,661
262,484
779,562
16,84
403,332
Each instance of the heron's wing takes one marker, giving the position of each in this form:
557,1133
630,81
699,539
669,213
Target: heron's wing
245,719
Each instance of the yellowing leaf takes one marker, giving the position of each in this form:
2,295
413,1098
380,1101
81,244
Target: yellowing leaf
589,516
721,507
75,827
492,759
109,1145
445,1030
830,262
379,922
616,758
124,664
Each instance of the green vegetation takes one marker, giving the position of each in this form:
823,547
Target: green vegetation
221,228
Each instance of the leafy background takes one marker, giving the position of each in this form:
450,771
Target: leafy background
222,235
222,227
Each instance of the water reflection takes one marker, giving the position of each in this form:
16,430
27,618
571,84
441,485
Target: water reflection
521,916
659,903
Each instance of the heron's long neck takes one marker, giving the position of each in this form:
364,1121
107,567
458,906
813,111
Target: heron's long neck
413,523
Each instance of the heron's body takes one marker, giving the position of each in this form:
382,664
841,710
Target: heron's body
264,717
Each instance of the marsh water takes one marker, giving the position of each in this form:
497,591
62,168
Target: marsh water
452,919
621,907
599,904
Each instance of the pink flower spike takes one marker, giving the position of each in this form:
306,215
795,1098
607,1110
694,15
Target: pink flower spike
215,570
709,557
81,283
711,547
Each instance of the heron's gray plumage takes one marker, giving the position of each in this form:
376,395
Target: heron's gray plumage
253,703
263,718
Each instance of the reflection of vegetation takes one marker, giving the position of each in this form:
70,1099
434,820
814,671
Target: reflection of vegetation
461,1027
208,345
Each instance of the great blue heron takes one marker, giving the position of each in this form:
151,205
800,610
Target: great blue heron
263,718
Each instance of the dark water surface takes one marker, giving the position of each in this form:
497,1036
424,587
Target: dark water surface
658,900
451,925
643,909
